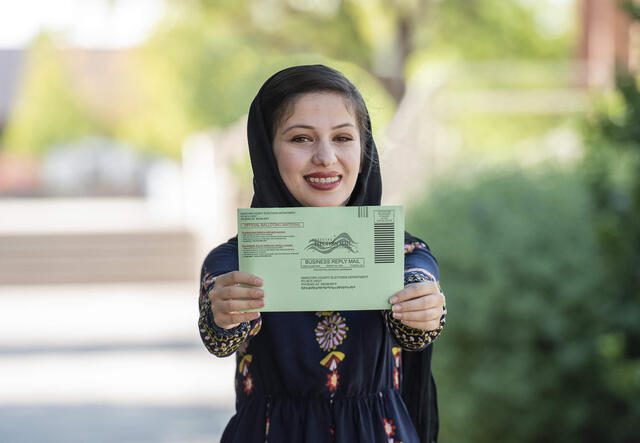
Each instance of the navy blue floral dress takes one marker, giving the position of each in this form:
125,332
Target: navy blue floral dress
317,376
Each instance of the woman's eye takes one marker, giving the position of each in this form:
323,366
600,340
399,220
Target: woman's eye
300,139
344,138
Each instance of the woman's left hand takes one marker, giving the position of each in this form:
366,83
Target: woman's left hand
419,305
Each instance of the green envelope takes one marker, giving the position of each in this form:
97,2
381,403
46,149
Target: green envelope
324,258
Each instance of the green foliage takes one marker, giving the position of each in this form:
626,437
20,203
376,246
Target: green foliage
207,58
47,110
334,29
204,71
612,164
493,136
193,77
494,29
527,353
631,8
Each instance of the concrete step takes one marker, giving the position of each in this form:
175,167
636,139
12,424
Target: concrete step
112,344
35,258
76,240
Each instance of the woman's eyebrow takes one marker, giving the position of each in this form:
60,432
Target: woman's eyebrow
311,127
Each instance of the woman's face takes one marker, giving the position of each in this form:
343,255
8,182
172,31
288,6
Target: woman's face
318,150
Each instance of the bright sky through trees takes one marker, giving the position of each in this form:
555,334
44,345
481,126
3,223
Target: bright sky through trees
84,23
118,23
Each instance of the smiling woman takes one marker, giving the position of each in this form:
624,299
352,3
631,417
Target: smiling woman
321,376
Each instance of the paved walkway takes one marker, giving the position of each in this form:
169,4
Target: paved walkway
107,363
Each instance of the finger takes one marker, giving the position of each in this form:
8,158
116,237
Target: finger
415,290
224,319
425,326
236,277
234,305
427,315
419,304
238,292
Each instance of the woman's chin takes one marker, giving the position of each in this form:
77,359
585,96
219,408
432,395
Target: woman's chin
327,201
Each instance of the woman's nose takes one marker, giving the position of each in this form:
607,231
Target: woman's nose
324,154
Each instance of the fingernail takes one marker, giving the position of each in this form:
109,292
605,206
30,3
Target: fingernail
258,281
393,299
259,292
397,315
395,308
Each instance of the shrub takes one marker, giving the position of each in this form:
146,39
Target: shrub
521,359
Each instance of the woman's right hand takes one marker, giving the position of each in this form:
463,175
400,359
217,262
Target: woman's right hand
228,298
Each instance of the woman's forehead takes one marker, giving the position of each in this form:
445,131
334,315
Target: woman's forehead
320,107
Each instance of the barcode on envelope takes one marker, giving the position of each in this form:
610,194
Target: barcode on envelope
383,247
363,212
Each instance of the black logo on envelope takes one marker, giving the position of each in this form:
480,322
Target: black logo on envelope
325,246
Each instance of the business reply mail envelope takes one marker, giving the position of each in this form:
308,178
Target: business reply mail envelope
324,258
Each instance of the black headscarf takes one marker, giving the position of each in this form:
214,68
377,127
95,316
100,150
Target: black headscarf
270,192
268,187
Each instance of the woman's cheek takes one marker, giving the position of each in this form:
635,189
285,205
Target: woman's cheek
288,164
354,162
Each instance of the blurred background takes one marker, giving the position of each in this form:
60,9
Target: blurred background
510,129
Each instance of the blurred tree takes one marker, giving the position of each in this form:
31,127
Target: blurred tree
375,35
47,109
207,57
203,65
498,30
520,358
382,36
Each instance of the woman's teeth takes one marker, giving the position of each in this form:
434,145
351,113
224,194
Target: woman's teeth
323,180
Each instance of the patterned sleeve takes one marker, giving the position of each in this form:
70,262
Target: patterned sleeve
219,341
409,338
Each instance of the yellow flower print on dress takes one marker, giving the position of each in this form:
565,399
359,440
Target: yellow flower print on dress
332,360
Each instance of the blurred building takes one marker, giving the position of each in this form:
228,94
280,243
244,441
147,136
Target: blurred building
10,71
609,37
93,166
105,82
116,215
